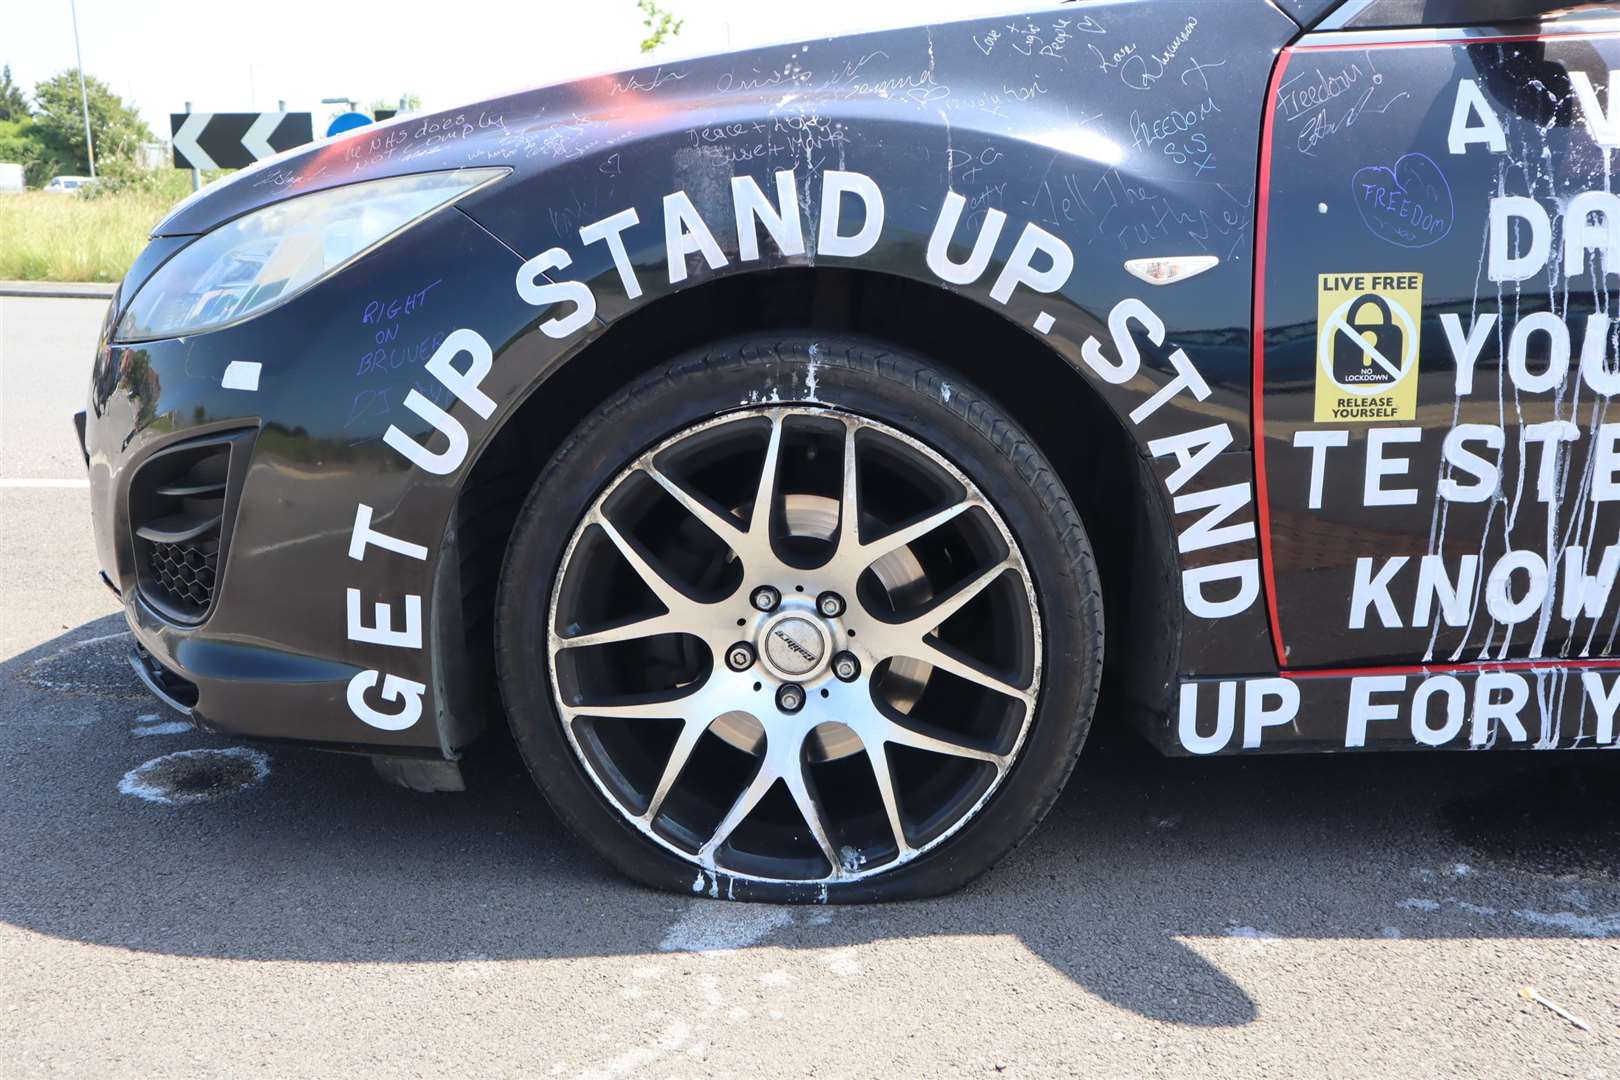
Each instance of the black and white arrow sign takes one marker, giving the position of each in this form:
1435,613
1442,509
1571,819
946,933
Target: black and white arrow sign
235,140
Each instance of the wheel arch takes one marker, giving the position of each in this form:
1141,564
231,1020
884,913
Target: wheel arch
1098,460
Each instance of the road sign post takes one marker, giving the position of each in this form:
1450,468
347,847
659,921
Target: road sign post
196,175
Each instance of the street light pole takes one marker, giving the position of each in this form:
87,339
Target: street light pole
84,97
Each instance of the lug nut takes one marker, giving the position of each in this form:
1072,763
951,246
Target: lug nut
765,598
740,657
830,604
846,666
790,698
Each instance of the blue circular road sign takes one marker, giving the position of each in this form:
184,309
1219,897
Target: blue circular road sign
347,122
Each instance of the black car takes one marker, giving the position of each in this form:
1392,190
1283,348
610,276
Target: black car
791,445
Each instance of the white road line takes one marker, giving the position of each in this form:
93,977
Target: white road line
44,483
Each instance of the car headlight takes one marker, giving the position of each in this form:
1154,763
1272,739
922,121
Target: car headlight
265,258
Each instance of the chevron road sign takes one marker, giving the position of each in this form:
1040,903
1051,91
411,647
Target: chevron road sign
235,140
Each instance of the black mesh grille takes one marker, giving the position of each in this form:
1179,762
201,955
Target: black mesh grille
184,573
177,506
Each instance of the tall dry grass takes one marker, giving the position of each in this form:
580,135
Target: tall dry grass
53,237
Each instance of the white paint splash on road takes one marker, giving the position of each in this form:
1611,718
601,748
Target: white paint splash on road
166,727
195,776
720,928
843,963
639,1058
1594,926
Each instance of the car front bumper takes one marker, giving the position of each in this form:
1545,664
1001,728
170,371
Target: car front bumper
271,653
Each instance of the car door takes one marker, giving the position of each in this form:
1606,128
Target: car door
1437,295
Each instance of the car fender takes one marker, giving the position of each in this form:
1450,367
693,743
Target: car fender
1019,163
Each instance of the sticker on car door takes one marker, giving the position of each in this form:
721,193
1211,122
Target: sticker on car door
1367,332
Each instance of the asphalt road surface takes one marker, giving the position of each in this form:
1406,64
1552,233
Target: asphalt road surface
1353,916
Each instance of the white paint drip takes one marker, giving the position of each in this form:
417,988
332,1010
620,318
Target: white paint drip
722,928
811,381
1417,903
776,977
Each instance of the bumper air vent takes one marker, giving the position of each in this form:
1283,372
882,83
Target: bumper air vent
178,502
178,693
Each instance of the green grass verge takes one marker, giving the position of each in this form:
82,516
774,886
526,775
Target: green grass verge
53,237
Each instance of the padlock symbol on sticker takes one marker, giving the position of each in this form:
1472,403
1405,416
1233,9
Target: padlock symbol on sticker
1370,325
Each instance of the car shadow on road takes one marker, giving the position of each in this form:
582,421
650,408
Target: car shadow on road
1141,866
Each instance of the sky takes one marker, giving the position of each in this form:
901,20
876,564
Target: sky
232,56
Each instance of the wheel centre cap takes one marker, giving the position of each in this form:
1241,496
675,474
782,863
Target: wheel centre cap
794,646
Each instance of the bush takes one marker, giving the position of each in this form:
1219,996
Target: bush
120,176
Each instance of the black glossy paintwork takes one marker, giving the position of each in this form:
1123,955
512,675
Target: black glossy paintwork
1391,108
1127,129
272,659
1307,12
1033,115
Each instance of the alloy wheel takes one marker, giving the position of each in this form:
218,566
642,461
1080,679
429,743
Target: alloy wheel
794,644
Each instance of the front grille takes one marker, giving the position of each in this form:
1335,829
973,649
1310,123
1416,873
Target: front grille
185,572
177,513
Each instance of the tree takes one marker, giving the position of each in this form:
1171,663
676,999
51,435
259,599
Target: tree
660,24
405,103
19,143
117,128
13,102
